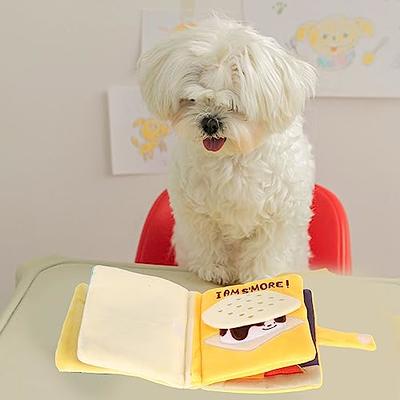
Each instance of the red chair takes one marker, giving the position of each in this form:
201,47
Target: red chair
329,232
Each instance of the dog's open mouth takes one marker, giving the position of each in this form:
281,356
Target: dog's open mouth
213,144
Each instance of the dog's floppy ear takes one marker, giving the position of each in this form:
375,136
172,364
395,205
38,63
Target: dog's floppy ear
280,82
157,69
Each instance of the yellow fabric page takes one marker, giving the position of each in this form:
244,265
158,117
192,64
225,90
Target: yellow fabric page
288,347
66,358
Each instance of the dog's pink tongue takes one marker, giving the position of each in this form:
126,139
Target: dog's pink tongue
212,144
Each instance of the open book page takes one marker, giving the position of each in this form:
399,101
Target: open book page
253,328
303,376
136,324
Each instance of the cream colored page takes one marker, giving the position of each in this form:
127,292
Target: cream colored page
135,324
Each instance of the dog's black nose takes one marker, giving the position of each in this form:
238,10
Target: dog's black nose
210,125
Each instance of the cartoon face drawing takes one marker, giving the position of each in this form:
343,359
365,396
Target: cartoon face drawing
334,39
249,332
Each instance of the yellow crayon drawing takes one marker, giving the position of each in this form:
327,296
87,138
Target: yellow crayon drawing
369,56
334,39
181,26
153,133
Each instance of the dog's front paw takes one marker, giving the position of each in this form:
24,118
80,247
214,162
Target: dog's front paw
218,274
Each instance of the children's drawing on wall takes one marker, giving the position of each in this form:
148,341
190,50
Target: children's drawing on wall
140,143
334,40
354,45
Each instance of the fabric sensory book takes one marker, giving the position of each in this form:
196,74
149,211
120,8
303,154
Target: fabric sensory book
256,337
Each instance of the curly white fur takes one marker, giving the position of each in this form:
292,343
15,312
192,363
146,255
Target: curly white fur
241,212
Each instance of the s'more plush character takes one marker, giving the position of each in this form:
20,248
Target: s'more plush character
247,321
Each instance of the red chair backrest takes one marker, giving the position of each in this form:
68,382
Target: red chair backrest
329,234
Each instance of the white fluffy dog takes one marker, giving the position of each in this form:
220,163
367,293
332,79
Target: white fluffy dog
242,172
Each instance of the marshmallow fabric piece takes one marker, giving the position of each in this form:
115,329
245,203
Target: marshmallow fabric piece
135,323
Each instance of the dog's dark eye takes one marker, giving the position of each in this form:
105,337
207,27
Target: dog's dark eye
192,100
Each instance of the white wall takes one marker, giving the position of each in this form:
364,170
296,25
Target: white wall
357,147
57,192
